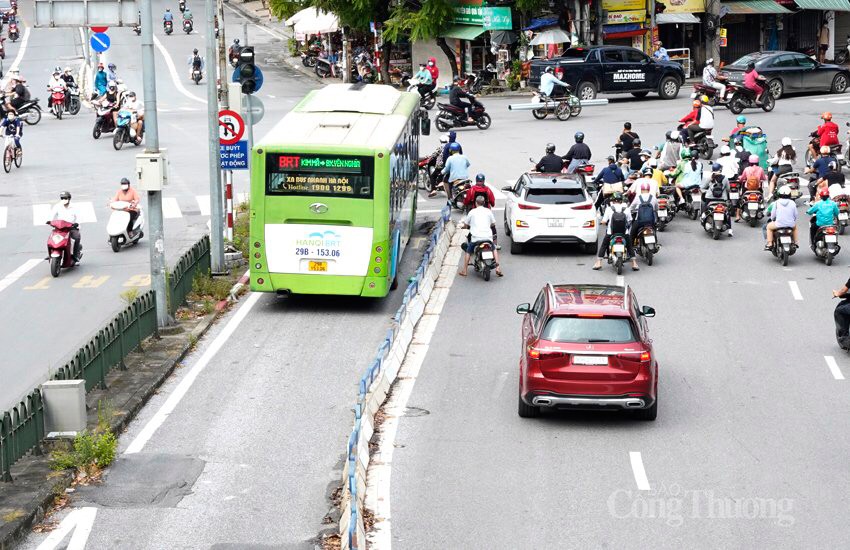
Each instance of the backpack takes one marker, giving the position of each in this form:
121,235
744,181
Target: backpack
645,212
752,183
618,222
481,193
717,189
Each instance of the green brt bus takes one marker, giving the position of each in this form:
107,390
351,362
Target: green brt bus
333,192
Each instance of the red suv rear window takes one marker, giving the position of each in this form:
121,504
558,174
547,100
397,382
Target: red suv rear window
588,329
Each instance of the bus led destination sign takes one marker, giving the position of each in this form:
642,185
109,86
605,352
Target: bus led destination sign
324,163
319,175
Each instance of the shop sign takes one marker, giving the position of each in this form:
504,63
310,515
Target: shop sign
623,5
497,19
723,42
722,32
680,6
618,17
468,12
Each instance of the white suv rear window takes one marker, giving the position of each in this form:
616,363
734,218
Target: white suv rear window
555,195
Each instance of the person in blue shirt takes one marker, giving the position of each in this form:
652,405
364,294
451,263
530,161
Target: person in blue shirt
660,52
100,80
824,212
12,126
819,169
167,17
456,168
609,174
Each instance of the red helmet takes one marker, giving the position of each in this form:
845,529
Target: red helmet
826,115
824,193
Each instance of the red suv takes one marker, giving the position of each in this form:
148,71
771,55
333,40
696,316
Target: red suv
587,347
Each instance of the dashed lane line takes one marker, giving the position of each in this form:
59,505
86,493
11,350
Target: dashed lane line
639,471
795,290
170,208
10,279
833,367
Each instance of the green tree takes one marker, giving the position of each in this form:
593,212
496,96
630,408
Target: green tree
284,9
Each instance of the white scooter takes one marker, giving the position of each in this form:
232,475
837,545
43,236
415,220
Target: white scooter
116,227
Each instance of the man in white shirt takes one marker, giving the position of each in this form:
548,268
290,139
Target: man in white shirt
136,107
67,213
705,122
548,81
728,164
482,227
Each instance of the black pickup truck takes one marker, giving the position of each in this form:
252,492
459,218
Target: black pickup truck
611,70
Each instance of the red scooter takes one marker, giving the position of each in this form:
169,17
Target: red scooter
57,101
13,32
60,246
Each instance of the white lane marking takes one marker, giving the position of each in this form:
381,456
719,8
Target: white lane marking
170,208
621,280
4,215
638,470
203,204
264,29
85,213
498,193
795,290
9,279
270,96
833,367
183,387
173,72
21,49
823,99
80,521
845,101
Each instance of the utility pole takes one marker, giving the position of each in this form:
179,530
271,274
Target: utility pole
249,116
157,240
216,199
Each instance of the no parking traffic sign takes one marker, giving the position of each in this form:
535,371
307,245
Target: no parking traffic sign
230,127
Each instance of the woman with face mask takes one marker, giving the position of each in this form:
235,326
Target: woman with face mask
128,194
435,72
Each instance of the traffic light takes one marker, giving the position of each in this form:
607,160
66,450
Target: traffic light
246,70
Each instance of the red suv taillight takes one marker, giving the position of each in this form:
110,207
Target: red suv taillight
583,207
536,353
528,207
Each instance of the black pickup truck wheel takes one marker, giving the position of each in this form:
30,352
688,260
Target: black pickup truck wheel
586,90
668,88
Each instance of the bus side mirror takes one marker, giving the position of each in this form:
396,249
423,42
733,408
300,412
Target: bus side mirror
425,125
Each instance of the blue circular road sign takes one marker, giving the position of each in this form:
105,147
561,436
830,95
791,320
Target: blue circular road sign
99,42
258,77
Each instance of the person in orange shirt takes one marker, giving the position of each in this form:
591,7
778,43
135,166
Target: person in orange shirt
128,194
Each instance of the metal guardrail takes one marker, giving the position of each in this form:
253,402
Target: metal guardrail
22,427
369,399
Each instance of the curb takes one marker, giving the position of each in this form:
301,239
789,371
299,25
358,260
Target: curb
47,492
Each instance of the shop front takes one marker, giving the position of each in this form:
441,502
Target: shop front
680,30
625,23
751,25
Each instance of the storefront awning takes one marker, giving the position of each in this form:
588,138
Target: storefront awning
626,34
541,22
825,5
462,32
752,7
684,18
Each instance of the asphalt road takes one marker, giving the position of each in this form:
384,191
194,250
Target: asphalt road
53,317
242,446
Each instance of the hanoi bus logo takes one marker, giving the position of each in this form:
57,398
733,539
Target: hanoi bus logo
326,239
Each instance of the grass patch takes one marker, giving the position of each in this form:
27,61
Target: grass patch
205,287
129,296
92,450
241,238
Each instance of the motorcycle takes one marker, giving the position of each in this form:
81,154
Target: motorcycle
423,179
116,227
484,258
426,101
752,207
196,76
455,117
103,122
459,189
617,252
844,55
182,6
363,69
124,133
60,247
324,68
169,27
715,218
646,244
13,32
72,99
744,98
826,244
665,214
783,244
30,112
57,101
585,171
835,151
792,180
703,143
308,56
843,202
714,100
693,201
476,81
187,26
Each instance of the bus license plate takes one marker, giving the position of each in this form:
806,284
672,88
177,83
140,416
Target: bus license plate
556,222
317,266
595,360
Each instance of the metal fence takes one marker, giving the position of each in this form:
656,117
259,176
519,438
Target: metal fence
22,428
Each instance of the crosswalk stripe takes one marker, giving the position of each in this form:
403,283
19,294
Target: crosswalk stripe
40,213
85,212
170,208
4,212
203,204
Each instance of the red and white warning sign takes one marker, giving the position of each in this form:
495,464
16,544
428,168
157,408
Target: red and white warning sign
230,127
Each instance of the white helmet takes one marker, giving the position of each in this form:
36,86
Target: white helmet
674,135
653,162
785,191
709,61
725,150
444,138
786,141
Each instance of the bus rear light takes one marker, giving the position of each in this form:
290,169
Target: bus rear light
379,249
257,244
378,259
257,255
258,266
261,281
377,270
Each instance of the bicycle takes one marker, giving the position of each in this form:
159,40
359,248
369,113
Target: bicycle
563,108
12,154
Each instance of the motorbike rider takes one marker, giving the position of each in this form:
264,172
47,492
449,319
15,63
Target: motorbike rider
688,174
67,213
826,134
751,82
818,170
56,81
434,70
196,62
657,175
693,116
447,146
616,225
479,189
68,77
824,212
456,169
435,161
715,189
738,130
112,72
842,316
457,95
783,214
425,79
167,17
832,178
14,127
548,81
550,163
753,176
611,175
729,165
187,14
627,137
482,227
578,154
128,194
631,158
20,94
136,107
113,99
644,206
671,152
705,120
783,162
645,157
646,177
711,78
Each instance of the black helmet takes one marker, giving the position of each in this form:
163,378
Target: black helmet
611,159
636,142
668,134
195,51
550,147
579,137
125,181
479,178
236,41
627,125
64,195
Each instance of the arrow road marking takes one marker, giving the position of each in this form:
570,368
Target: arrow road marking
80,522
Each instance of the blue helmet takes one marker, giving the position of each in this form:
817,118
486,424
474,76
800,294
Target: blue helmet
716,167
454,147
741,119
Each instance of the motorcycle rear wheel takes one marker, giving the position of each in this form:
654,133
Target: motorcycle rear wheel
32,116
118,138
486,273
55,265
649,257
74,106
428,102
540,114
783,256
768,103
441,125
829,257
619,266
715,233
736,104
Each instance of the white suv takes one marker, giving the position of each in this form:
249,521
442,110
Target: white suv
550,208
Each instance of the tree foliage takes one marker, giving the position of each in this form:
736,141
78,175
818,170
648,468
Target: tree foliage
284,9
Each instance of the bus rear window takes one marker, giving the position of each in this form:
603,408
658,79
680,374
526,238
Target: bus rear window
319,175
